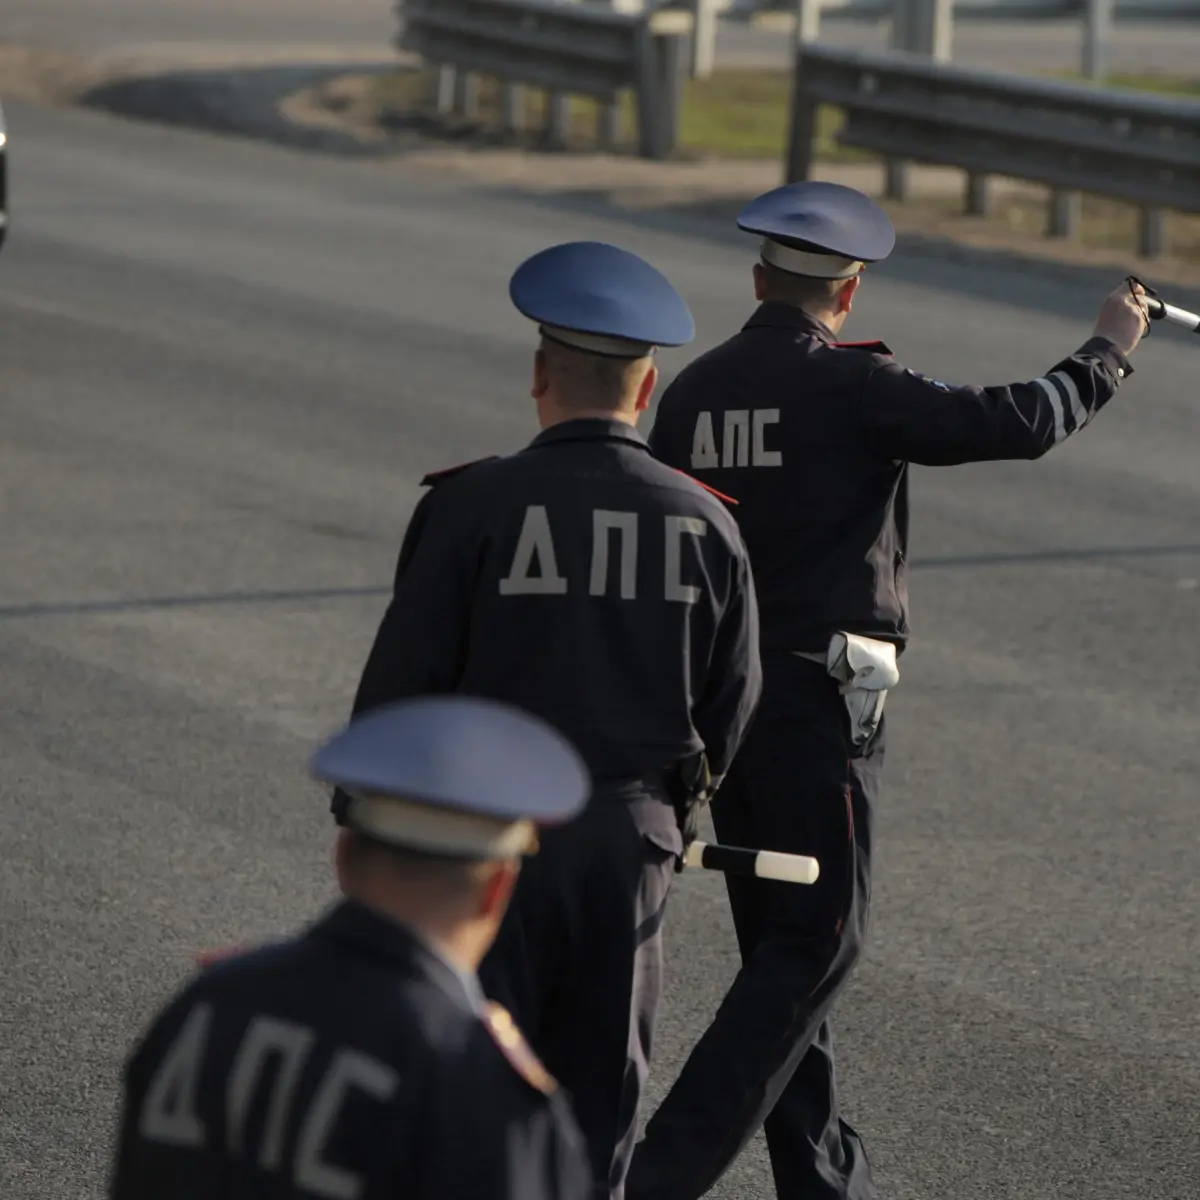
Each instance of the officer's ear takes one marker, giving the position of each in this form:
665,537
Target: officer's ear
760,282
646,389
497,888
541,375
845,296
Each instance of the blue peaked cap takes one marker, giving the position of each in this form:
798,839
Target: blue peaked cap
602,299
455,775
819,223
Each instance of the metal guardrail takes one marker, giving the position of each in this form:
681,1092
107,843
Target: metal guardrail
1131,146
927,26
1123,11
565,48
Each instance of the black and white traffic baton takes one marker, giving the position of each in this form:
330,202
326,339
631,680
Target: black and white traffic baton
766,864
1159,310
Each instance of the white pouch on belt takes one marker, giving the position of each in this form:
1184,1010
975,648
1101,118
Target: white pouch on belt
865,669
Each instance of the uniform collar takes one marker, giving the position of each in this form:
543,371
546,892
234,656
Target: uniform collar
357,925
591,429
772,315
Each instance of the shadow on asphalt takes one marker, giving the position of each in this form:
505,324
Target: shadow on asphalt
240,101
247,102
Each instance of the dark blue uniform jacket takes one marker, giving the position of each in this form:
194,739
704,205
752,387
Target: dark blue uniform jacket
813,438
352,1063
588,583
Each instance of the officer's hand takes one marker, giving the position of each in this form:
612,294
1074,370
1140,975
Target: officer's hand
1122,318
689,827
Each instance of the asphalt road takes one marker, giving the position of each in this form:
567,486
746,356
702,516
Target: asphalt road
223,369
368,25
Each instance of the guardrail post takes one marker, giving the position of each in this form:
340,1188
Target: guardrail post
808,22
443,90
704,39
901,37
802,138
608,124
1152,232
558,114
466,94
512,107
920,27
1065,212
659,91
802,133
924,27
895,171
977,200
1097,29
669,55
895,179
932,28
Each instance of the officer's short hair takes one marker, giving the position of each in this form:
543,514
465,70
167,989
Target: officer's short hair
418,866
799,290
592,380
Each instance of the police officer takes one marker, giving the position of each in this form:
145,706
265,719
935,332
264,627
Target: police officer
611,595
360,1058
813,437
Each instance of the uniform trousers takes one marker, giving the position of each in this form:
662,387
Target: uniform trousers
798,786
579,961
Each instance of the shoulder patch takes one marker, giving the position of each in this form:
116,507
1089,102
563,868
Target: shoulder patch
933,383
516,1049
870,347
705,486
436,477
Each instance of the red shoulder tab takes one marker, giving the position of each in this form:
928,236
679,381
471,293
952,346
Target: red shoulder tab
701,483
436,477
516,1049
207,958
871,347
